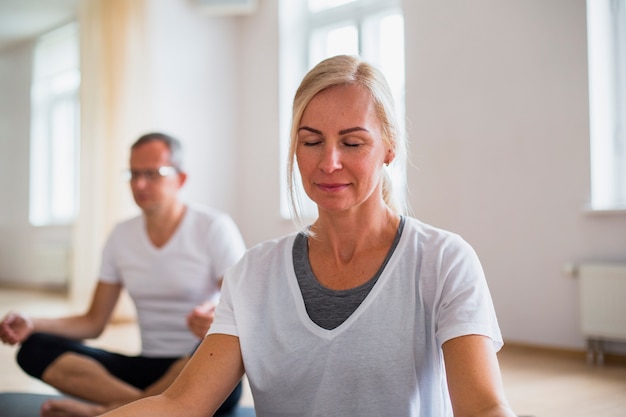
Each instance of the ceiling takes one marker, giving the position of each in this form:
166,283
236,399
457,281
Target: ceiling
23,19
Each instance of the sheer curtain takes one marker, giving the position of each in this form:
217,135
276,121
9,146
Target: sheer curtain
114,105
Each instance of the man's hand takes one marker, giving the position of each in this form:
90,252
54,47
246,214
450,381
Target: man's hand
15,328
200,319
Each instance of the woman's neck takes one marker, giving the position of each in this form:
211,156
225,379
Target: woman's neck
346,235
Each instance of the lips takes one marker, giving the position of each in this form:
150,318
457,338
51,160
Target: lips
331,187
141,197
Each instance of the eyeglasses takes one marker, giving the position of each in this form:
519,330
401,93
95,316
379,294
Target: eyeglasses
150,174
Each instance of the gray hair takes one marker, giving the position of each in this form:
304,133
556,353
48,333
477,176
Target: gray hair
173,144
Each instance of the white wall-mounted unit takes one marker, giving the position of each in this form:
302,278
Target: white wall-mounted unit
602,305
227,7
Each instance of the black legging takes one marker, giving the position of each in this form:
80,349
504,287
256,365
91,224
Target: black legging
41,349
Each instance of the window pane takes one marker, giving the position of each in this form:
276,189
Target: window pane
390,49
327,42
606,26
383,46
319,5
64,156
57,52
55,128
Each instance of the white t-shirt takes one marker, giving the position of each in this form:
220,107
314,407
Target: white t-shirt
386,358
167,283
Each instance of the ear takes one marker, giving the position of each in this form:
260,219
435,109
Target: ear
391,155
182,178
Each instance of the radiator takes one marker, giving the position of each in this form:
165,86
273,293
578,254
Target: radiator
602,306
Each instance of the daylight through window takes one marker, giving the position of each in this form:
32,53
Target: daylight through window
55,128
606,25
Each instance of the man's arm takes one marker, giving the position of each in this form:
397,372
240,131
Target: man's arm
210,376
474,379
199,320
16,327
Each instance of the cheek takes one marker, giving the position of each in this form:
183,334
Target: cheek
303,163
166,191
370,173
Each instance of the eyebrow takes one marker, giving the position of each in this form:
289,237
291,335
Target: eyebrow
341,132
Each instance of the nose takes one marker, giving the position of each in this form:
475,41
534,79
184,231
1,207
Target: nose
139,182
330,159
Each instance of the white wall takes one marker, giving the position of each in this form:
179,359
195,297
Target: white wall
215,81
498,123
193,62
14,128
498,105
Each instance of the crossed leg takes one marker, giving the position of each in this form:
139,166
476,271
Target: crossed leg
83,377
96,377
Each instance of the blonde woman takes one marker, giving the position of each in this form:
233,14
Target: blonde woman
366,312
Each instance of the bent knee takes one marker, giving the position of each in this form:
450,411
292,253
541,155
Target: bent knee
38,351
33,356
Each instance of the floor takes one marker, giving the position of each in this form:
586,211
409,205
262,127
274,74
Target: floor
538,382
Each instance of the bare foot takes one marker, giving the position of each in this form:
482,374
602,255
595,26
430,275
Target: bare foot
68,407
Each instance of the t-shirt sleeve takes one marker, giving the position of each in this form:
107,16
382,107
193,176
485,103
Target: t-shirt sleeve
109,271
464,306
226,243
224,322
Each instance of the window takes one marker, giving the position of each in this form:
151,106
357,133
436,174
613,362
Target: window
606,26
312,30
54,152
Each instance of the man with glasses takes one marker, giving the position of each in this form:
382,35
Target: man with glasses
171,260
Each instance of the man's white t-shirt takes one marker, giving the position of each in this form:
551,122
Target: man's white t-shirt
386,358
166,283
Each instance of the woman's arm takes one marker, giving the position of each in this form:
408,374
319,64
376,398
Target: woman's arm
206,381
474,379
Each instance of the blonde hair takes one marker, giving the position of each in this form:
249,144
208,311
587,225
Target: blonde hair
343,70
